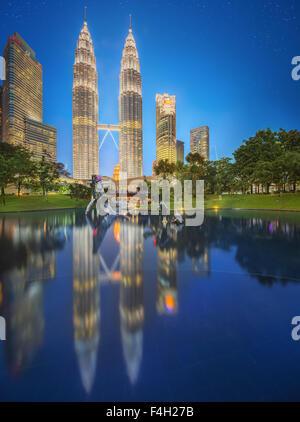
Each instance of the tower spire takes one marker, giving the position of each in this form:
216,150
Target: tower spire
130,23
84,13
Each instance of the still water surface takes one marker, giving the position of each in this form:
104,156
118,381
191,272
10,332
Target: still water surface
122,309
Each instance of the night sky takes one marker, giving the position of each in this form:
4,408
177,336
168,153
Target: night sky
227,62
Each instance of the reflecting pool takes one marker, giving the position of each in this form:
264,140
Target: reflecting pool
129,309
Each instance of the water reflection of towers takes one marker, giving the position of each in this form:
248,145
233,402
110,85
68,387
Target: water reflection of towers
86,304
30,262
167,289
131,295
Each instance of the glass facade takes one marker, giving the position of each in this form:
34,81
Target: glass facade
180,150
199,141
165,128
23,100
131,111
85,108
40,138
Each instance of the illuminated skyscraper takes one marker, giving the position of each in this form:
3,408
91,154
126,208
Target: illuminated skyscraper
165,128
23,100
85,108
199,141
131,111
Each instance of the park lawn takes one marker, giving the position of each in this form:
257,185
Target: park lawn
39,202
285,201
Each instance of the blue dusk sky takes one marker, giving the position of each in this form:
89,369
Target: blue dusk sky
227,61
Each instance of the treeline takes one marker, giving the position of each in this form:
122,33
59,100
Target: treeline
264,160
18,168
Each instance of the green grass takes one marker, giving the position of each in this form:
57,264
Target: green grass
286,201
39,202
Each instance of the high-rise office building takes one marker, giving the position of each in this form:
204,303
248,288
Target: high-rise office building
85,108
180,151
39,138
131,111
165,128
199,141
22,100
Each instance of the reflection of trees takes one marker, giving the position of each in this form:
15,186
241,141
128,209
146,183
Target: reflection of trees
267,249
12,255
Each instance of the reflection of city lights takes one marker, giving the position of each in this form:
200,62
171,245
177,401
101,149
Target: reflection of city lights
117,231
170,303
216,208
116,276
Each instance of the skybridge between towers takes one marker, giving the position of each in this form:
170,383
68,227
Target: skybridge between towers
109,131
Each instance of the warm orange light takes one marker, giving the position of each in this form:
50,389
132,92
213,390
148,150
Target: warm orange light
116,276
116,174
117,231
170,303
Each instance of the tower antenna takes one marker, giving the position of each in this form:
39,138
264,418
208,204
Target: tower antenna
84,13
130,21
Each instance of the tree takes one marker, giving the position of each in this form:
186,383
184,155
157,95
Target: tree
195,159
225,175
47,175
7,166
79,191
25,168
264,147
292,166
164,168
263,174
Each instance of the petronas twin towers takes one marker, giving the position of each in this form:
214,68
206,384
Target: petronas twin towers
86,106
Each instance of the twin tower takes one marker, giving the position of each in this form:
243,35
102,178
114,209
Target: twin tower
86,110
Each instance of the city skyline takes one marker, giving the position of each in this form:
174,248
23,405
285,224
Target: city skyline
235,71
